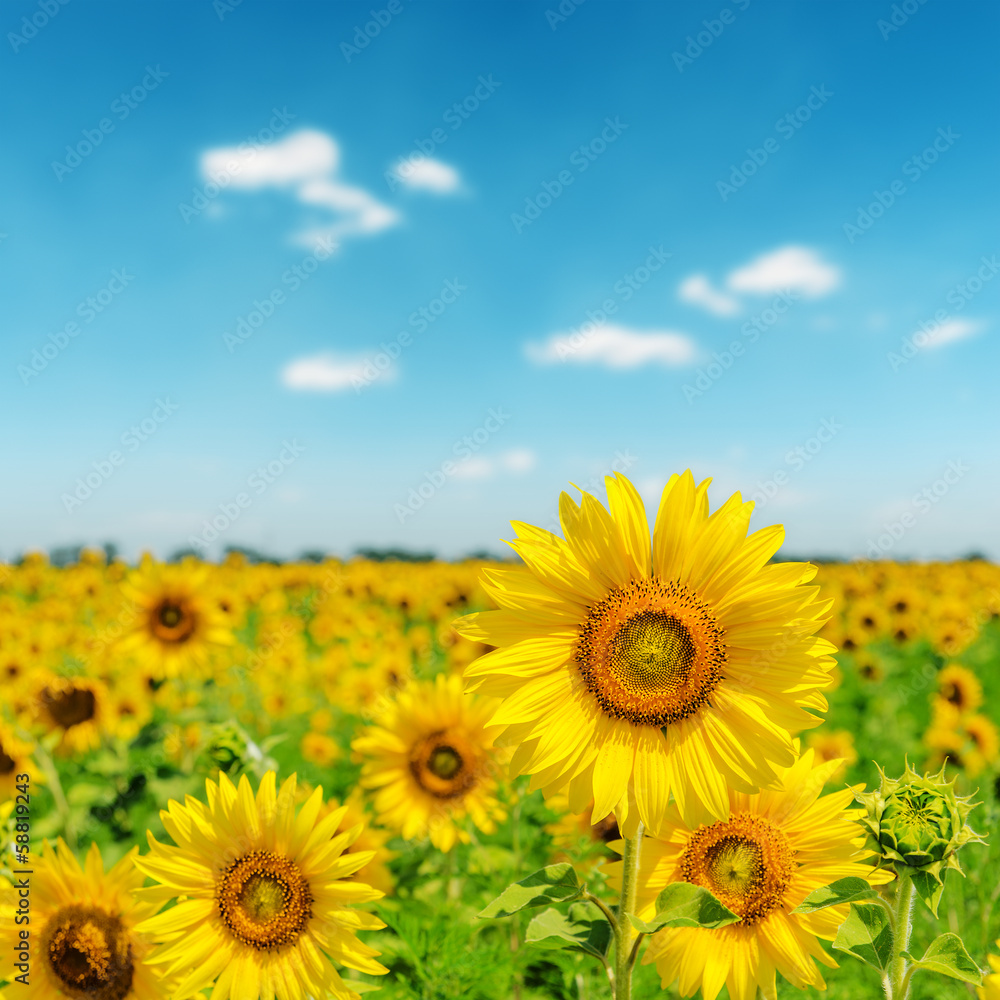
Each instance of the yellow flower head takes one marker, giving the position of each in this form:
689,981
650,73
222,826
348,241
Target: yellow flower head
834,744
960,687
84,941
261,895
430,761
631,670
761,860
176,623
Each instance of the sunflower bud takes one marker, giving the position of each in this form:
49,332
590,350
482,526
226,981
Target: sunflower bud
916,824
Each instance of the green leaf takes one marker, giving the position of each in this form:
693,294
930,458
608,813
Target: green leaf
547,885
844,890
929,888
583,928
947,955
866,934
682,904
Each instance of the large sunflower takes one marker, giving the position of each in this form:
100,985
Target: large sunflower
262,895
630,670
761,860
431,762
83,937
176,623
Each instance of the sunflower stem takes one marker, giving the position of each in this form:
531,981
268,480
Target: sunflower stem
48,767
625,934
897,980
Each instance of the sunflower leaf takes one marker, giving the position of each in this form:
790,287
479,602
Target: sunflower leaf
552,884
948,956
844,890
583,928
866,934
682,904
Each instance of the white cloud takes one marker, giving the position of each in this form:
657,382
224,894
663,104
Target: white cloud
946,333
791,268
430,175
298,157
697,290
616,347
516,461
307,163
329,372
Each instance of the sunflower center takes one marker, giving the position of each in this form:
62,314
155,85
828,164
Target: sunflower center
745,861
651,653
70,707
172,621
7,763
444,762
265,900
441,765
89,952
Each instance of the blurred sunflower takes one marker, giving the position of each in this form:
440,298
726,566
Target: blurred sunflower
960,687
630,671
77,708
178,622
834,744
371,840
86,945
261,895
575,838
761,860
985,740
990,990
431,763
15,759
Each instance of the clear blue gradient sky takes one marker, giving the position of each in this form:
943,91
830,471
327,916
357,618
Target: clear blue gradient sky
786,214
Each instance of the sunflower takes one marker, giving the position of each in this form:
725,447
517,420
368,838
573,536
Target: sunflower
261,895
178,623
990,990
960,686
762,860
371,840
834,744
631,671
77,708
15,759
86,944
431,763
575,838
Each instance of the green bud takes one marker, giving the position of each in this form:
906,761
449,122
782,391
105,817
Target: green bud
916,824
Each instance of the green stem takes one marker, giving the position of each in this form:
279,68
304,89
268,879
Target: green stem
897,980
602,906
48,768
626,935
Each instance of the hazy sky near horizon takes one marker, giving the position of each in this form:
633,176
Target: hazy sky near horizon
393,274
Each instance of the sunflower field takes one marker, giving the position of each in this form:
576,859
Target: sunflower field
328,778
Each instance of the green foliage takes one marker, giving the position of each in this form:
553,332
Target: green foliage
682,904
584,927
548,885
844,890
948,956
866,934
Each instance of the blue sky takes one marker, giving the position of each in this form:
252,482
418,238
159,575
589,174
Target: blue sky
630,236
